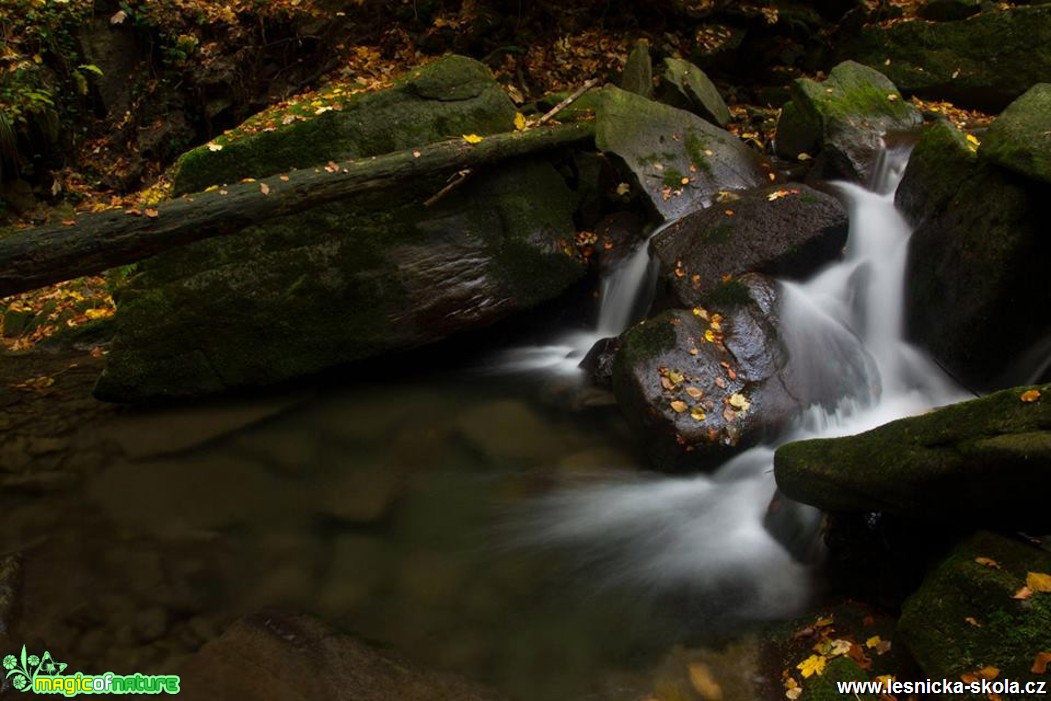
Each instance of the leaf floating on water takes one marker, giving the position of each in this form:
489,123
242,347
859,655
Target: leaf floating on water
473,138
678,406
1030,396
1038,582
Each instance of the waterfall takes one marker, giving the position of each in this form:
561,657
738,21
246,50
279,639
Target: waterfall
843,327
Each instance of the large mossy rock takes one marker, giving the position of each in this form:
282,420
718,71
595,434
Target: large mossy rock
701,385
284,657
1020,138
965,618
976,292
842,120
677,160
450,97
776,230
986,461
985,61
350,280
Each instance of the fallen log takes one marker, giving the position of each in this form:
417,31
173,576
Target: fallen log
92,243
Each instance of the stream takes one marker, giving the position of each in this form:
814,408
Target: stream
473,518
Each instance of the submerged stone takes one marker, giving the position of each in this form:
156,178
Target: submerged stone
677,160
843,120
982,462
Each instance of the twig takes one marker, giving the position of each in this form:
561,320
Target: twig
566,103
462,175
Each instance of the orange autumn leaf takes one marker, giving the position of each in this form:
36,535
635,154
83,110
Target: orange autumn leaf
678,406
1038,582
988,562
1023,594
1040,662
1030,396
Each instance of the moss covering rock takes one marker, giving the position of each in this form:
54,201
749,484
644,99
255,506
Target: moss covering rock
965,616
984,61
1020,138
676,159
776,230
350,280
842,120
445,99
976,292
985,461
686,86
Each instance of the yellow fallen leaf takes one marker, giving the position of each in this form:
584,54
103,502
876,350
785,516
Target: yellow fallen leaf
740,402
873,641
815,664
697,414
473,138
694,392
678,406
520,121
709,336
1038,582
215,147
702,680
1030,395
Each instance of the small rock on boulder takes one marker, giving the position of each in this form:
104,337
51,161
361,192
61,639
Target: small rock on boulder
678,160
788,231
1020,138
843,120
986,461
638,71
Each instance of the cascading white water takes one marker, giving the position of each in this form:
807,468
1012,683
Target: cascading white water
843,328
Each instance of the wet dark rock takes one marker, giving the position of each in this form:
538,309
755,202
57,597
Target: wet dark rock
686,86
1020,138
618,234
280,657
598,362
702,385
354,279
964,617
982,462
842,121
985,61
676,159
976,292
786,231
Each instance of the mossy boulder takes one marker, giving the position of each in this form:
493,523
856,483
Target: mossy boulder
638,71
984,61
986,461
965,618
701,385
843,120
788,231
444,99
1020,138
976,292
350,280
676,159
686,86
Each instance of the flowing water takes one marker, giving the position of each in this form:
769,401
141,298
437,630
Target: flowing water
705,534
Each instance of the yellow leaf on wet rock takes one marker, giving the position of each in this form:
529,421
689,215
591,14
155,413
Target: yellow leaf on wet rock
1038,582
678,406
473,138
1030,396
815,664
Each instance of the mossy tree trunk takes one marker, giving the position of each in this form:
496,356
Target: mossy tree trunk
96,242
